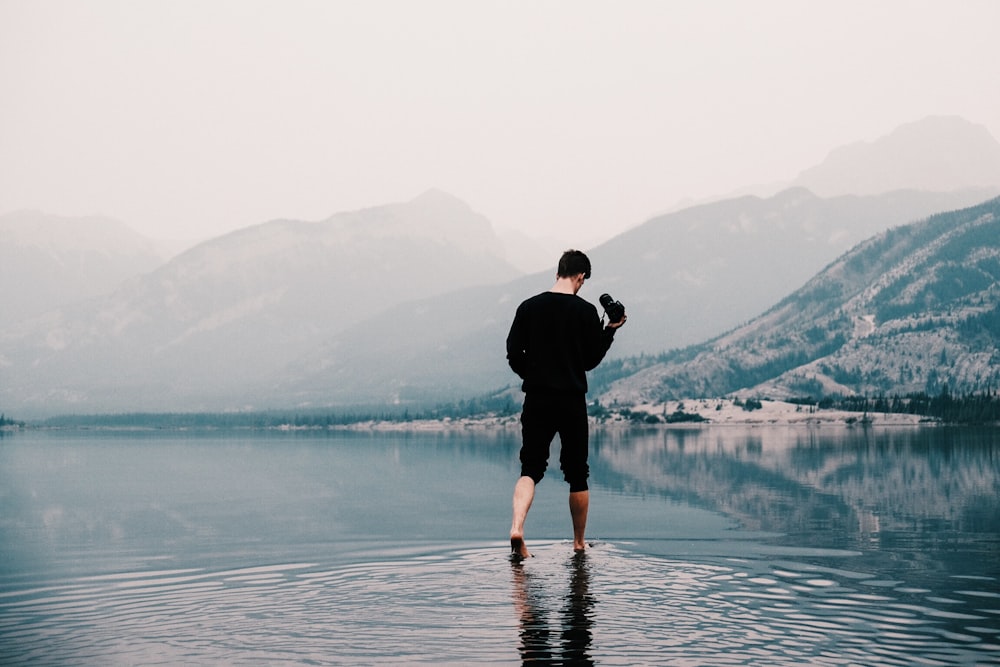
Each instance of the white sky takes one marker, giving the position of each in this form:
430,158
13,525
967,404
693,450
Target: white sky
190,118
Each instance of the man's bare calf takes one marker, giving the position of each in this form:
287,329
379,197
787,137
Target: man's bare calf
524,494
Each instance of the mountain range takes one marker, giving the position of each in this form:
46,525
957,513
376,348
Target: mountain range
410,302
198,330
682,278
913,309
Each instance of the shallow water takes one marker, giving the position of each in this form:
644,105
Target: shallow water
713,546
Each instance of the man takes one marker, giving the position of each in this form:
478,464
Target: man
556,337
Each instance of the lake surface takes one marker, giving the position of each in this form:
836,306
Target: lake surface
711,546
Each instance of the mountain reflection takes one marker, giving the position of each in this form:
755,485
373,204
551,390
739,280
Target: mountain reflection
849,487
568,645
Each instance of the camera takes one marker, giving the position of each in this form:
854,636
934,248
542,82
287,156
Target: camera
614,309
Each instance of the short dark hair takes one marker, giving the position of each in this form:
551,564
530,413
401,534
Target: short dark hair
572,263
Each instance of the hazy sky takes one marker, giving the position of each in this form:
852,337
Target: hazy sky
579,119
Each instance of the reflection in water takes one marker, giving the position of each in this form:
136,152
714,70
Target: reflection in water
578,613
719,546
538,644
924,491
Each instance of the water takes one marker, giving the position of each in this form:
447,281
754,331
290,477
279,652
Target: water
712,546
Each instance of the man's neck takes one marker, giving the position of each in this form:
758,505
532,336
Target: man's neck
566,285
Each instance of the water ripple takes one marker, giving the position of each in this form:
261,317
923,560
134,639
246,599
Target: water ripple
467,604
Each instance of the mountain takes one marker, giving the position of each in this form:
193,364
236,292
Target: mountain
915,308
934,154
49,261
689,275
939,153
412,301
197,331
682,277
407,303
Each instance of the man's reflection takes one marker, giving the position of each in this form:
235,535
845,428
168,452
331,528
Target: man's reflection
538,645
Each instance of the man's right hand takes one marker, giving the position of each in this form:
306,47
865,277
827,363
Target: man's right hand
615,325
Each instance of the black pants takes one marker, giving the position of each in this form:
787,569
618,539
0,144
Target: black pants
543,416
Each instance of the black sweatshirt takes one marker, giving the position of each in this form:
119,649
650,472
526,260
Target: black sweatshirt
554,339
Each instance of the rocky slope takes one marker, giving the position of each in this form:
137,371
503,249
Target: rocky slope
911,309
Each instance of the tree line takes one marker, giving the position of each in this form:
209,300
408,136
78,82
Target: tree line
499,405
9,423
968,408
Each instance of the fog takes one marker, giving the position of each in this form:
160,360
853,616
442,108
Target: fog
187,119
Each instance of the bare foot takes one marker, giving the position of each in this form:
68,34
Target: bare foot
517,547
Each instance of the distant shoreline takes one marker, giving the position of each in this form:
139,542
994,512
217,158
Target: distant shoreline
705,413
685,414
